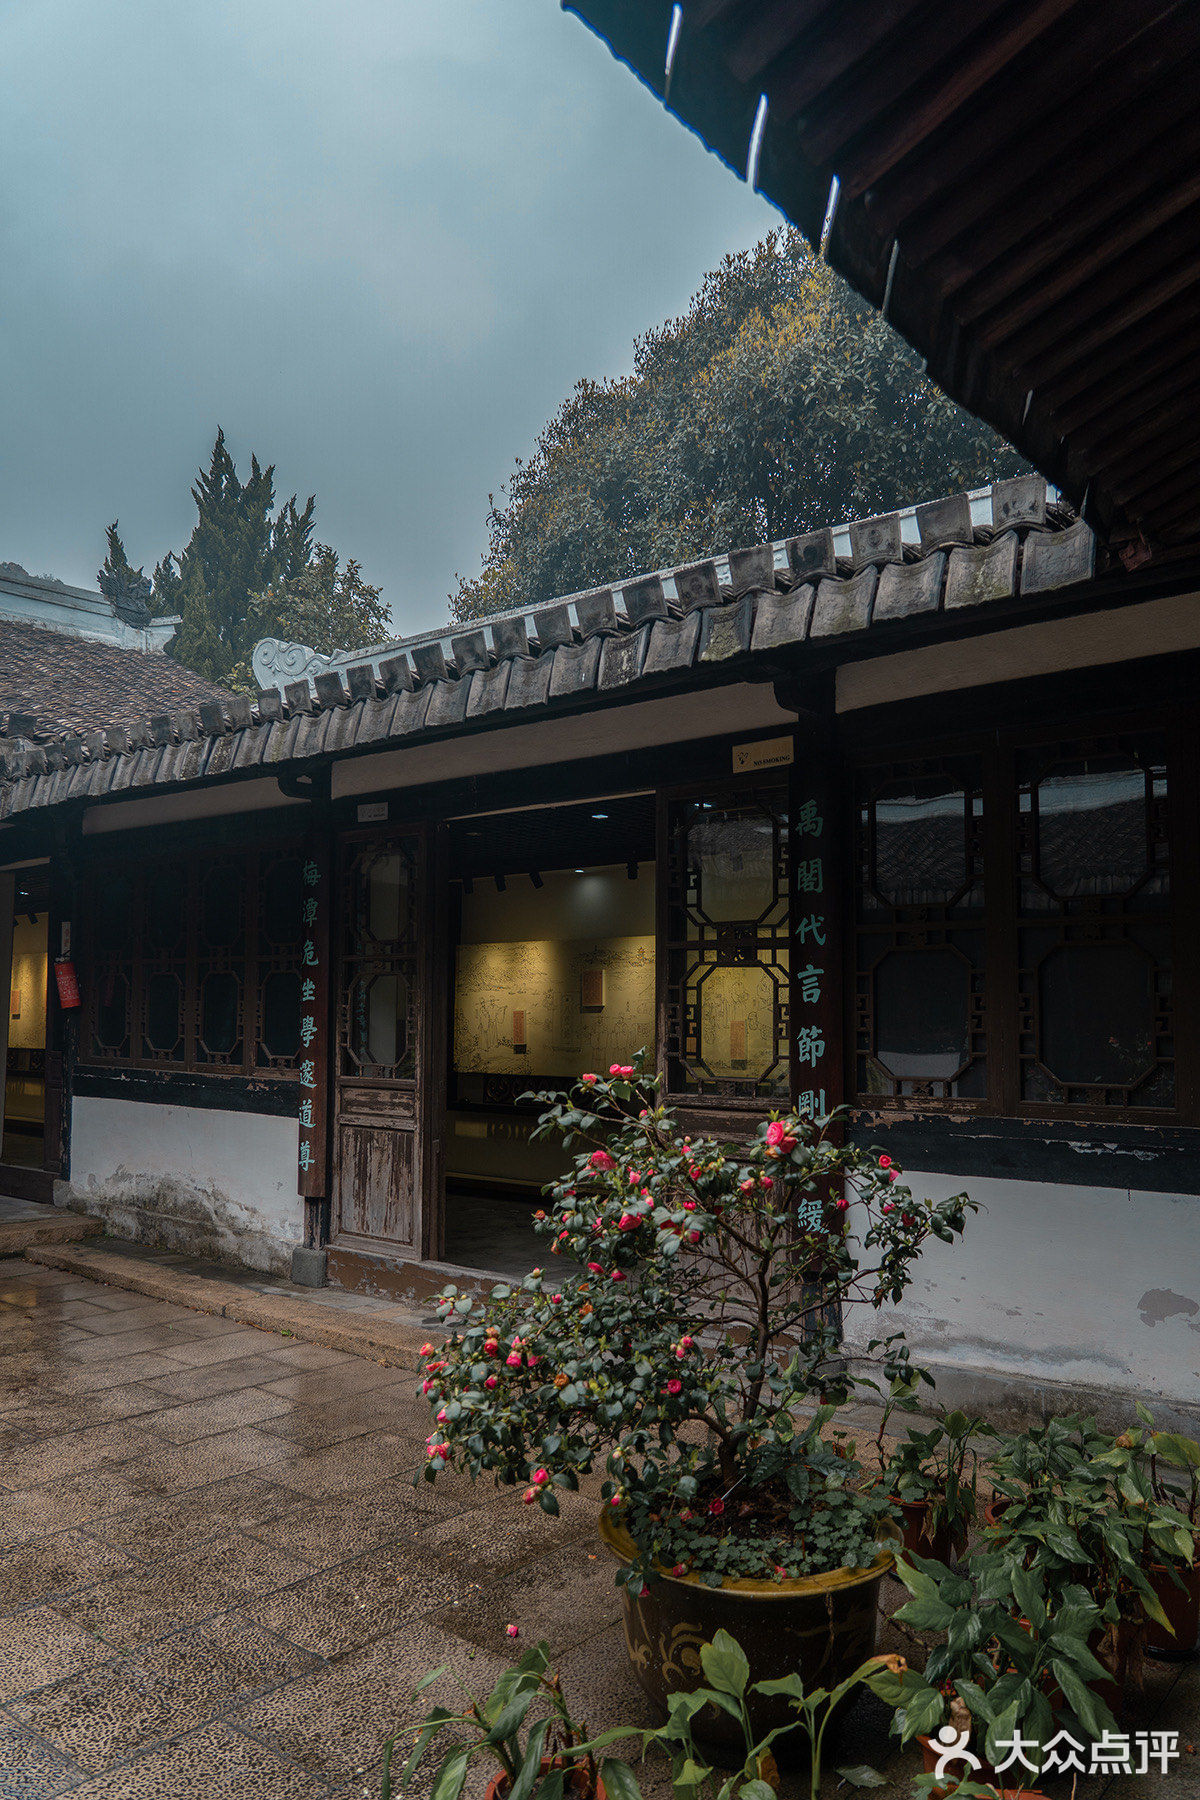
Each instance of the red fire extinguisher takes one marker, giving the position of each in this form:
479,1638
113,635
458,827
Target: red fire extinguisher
68,986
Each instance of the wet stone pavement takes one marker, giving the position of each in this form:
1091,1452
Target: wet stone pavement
216,1578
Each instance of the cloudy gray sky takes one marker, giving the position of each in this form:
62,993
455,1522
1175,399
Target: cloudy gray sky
377,240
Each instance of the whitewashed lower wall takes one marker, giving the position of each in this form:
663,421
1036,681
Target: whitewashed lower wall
188,1178
1097,1289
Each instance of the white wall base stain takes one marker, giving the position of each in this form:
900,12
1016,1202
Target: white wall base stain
219,1184
1046,1284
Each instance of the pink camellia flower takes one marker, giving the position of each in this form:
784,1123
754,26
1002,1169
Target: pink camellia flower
887,1207
540,1477
425,1386
427,1349
842,1205
441,1418
634,1178
893,1174
596,1268
679,1569
885,1162
765,1181
589,1080
533,1361
695,1236
600,1159
614,1068
687,1342
689,1206
627,1222
513,1359
625,1069
775,1131
680,1353
716,1508
674,1386
616,1500
491,1381
529,1496
556,1299
512,1631
618,1275
645,1113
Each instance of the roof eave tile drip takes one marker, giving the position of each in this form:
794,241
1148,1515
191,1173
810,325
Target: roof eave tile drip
901,573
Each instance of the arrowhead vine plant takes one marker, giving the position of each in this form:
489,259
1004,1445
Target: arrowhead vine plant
688,1339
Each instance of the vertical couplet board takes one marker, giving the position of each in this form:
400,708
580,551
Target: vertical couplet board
316,901
818,899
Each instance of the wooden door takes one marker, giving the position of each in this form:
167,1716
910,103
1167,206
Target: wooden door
386,1139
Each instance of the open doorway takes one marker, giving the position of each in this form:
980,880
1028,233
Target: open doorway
24,945
552,973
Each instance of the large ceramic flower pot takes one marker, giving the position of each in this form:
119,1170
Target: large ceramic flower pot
821,1626
1182,1607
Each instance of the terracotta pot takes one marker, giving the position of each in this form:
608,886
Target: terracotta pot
576,1783
945,1541
822,1626
1116,1658
996,1508
1182,1607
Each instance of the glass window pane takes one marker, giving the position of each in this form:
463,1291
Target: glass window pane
1092,836
922,1014
163,1015
733,858
281,1014
281,895
379,1036
220,995
112,1013
920,844
1097,1014
221,906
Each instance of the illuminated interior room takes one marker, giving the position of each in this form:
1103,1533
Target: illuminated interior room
552,973
25,1048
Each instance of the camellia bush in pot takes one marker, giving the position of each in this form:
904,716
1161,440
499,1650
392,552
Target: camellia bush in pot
688,1342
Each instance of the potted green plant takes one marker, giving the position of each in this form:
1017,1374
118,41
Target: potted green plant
1167,1466
1082,1509
694,1324
1013,1650
932,1476
543,1758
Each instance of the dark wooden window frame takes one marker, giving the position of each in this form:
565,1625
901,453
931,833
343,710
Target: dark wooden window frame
253,957
999,751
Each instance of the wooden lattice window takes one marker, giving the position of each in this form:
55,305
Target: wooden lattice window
378,1026
920,995
1095,1023
194,963
729,950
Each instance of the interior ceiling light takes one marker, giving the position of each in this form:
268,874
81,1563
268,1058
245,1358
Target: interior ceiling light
599,815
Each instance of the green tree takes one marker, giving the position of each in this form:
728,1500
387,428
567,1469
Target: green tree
118,578
248,571
778,403
322,605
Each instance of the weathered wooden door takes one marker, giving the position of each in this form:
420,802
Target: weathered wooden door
386,1186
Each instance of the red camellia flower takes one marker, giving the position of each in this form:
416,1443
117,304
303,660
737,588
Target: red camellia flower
589,1080
615,1069
887,1207
529,1496
490,1381
674,1387
626,1069
627,1222
775,1131
600,1159
618,1275
689,1206
541,1477
695,1236
687,1342
885,1162
634,1178
716,1508
513,1359
596,1268
679,1569
842,1205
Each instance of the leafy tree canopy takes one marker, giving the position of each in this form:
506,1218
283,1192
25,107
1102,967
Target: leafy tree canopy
250,571
780,402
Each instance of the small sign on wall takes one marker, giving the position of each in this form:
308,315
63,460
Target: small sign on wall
767,753
373,812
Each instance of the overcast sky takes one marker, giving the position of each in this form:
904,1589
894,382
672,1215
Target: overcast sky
377,240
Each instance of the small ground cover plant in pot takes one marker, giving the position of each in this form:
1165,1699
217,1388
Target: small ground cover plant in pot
685,1337
933,1476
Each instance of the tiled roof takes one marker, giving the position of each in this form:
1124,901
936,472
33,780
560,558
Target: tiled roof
893,578
52,682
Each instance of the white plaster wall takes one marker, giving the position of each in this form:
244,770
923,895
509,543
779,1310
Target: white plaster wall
189,1178
1095,1287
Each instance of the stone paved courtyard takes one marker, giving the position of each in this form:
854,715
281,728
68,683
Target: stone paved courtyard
216,1578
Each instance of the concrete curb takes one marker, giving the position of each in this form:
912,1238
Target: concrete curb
19,1235
358,1334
